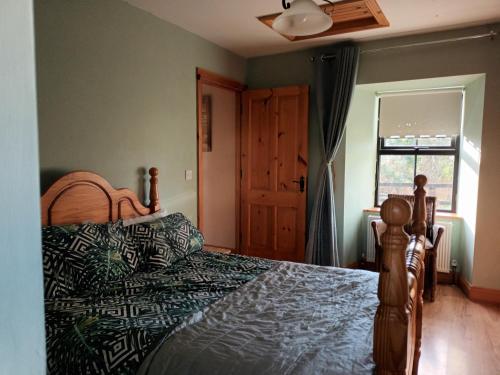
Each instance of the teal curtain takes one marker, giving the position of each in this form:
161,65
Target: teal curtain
335,81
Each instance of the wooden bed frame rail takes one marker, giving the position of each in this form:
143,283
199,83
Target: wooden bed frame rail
398,321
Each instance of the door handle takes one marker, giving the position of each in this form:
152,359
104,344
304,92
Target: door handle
301,182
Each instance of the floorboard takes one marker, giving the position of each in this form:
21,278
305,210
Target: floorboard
460,337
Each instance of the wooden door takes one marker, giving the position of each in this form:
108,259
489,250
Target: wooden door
273,162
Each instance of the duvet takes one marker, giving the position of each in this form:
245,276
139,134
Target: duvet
113,330
292,319
218,314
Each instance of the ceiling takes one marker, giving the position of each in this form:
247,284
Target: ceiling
232,24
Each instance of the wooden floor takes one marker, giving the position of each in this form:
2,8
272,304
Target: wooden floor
459,336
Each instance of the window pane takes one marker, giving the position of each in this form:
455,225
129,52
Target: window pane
435,142
395,175
400,142
439,170
418,141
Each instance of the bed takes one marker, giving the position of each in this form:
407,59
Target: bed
212,313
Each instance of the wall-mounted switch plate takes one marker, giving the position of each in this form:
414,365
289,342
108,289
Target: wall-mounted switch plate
189,174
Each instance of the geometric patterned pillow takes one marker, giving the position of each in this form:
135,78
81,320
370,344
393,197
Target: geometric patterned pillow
58,274
110,235
158,256
182,235
100,266
154,251
100,253
66,249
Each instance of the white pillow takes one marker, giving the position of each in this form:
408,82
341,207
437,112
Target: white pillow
145,219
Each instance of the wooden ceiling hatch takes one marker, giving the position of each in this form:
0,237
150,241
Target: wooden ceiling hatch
348,16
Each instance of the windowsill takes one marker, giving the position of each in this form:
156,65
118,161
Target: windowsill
439,215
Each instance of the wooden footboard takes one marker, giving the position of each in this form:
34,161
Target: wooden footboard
398,321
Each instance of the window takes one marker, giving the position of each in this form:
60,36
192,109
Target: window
419,133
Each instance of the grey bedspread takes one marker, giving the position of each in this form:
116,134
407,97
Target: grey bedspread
292,319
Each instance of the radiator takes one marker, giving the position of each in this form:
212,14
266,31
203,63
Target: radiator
444,251
370,239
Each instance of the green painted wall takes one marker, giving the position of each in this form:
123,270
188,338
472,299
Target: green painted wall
117,94
285,70
296,69
359,171
470,156
463,228
453,59
22,332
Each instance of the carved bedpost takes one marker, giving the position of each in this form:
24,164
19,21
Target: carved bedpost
419,314
419,224
154,196
391,320
419,229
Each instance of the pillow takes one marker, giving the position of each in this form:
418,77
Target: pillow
162,242
158,256
110,235
58,274
154,251
145,219
65,251
182,235
101,265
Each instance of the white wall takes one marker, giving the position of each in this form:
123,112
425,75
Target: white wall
22,341
219,171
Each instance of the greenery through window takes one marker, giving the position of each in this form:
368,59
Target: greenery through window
419,133
400,159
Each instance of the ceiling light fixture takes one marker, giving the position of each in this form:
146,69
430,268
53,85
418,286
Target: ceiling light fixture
302,18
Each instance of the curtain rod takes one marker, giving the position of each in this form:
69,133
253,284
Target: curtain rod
491,34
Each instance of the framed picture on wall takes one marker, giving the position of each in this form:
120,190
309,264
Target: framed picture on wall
206,123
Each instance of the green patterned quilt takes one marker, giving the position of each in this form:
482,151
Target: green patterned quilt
112,331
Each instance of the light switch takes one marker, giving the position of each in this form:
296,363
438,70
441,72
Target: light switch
189,174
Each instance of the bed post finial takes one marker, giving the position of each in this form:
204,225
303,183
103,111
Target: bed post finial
391,321
154,196
419,224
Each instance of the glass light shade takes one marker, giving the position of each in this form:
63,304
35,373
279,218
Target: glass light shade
304,17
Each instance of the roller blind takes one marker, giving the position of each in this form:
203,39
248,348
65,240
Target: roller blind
428,113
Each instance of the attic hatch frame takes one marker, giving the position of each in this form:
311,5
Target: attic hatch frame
348,16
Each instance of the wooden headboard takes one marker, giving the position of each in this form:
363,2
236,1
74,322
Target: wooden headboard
85,196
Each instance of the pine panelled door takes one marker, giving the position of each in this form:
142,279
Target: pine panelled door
274,172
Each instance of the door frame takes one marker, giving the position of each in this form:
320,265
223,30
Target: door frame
205,77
